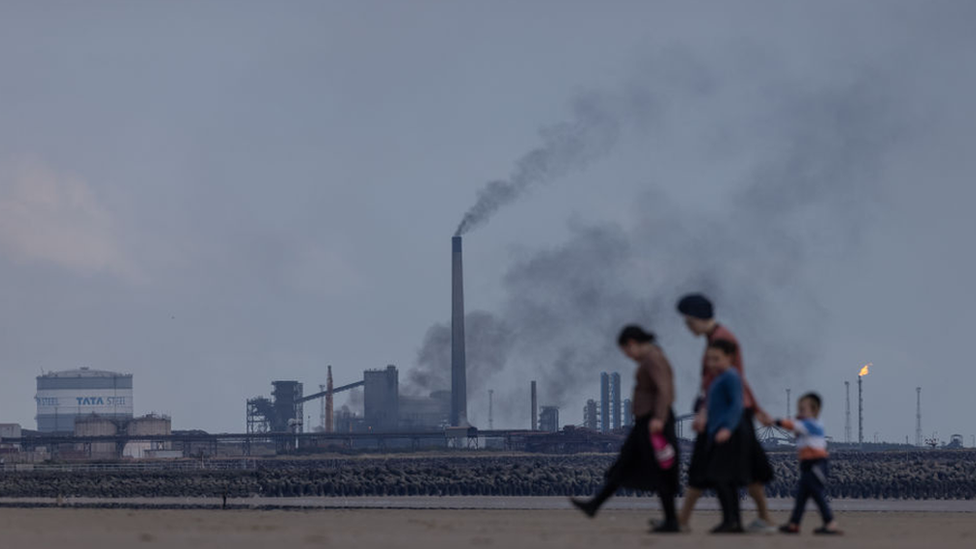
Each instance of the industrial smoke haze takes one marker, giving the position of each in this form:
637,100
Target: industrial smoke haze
813,152
566,147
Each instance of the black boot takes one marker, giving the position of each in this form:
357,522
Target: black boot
586,506
728,496
670,523
592,506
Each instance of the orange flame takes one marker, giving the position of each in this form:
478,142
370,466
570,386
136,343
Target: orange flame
864,370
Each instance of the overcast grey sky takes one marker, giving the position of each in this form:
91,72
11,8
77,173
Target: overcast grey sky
212,195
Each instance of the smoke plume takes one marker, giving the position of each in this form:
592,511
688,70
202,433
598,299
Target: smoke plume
566,147
806,179
488,344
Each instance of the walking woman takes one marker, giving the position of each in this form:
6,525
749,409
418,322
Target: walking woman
639,466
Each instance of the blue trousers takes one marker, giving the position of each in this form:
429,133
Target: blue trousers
813,484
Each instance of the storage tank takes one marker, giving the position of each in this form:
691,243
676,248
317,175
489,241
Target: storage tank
64,396
97,426
148,425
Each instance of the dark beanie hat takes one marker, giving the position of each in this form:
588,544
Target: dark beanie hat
696,305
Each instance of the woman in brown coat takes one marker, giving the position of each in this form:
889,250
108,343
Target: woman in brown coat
637,465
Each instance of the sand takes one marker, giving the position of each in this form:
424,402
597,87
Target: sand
433,528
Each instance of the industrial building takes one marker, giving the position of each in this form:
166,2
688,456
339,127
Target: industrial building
62,397
590,417
385,410
615,401
612,412
549,419
381,399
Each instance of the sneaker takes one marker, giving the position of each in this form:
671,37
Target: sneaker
824,531
759,526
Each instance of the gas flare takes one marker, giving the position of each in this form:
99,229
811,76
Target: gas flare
864,370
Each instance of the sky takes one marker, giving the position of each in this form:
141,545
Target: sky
214,195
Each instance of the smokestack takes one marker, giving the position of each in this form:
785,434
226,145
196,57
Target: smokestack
615,400
459,384
535,408
847,413
329,421
491,410
860,411
605,402
918,416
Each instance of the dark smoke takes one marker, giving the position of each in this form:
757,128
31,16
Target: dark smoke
566,147
488,345
811,183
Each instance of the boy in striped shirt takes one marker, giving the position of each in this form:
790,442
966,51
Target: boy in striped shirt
812,446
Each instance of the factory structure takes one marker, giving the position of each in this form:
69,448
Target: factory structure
612,412
385,409
90,413
63,397
86,403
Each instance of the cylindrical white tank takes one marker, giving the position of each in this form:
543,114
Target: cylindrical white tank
64,396
96,426
149,425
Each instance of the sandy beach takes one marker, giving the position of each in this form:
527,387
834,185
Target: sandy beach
82,528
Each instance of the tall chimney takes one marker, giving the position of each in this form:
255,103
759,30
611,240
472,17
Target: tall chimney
329,407
860,411
535,409
605,402
615,400
847,413
459,385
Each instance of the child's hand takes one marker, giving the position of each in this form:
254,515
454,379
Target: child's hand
723,435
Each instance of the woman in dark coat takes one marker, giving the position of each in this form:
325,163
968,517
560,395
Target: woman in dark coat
637,466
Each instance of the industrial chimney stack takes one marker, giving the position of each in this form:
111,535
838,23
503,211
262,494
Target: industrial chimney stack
459,385
860,410
535,407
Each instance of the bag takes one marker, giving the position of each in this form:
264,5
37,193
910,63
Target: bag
663,451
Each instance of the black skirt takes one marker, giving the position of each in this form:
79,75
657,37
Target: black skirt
731,461
637,468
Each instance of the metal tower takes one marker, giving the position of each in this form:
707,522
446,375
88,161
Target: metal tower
860,410
329,403
605,402
535,408
847,413
615,401
918,416
491,411
322,414
788,414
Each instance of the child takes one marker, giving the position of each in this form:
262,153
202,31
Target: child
812,446
727,465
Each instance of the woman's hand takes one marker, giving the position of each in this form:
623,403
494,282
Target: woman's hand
657,425
698,424
723,435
